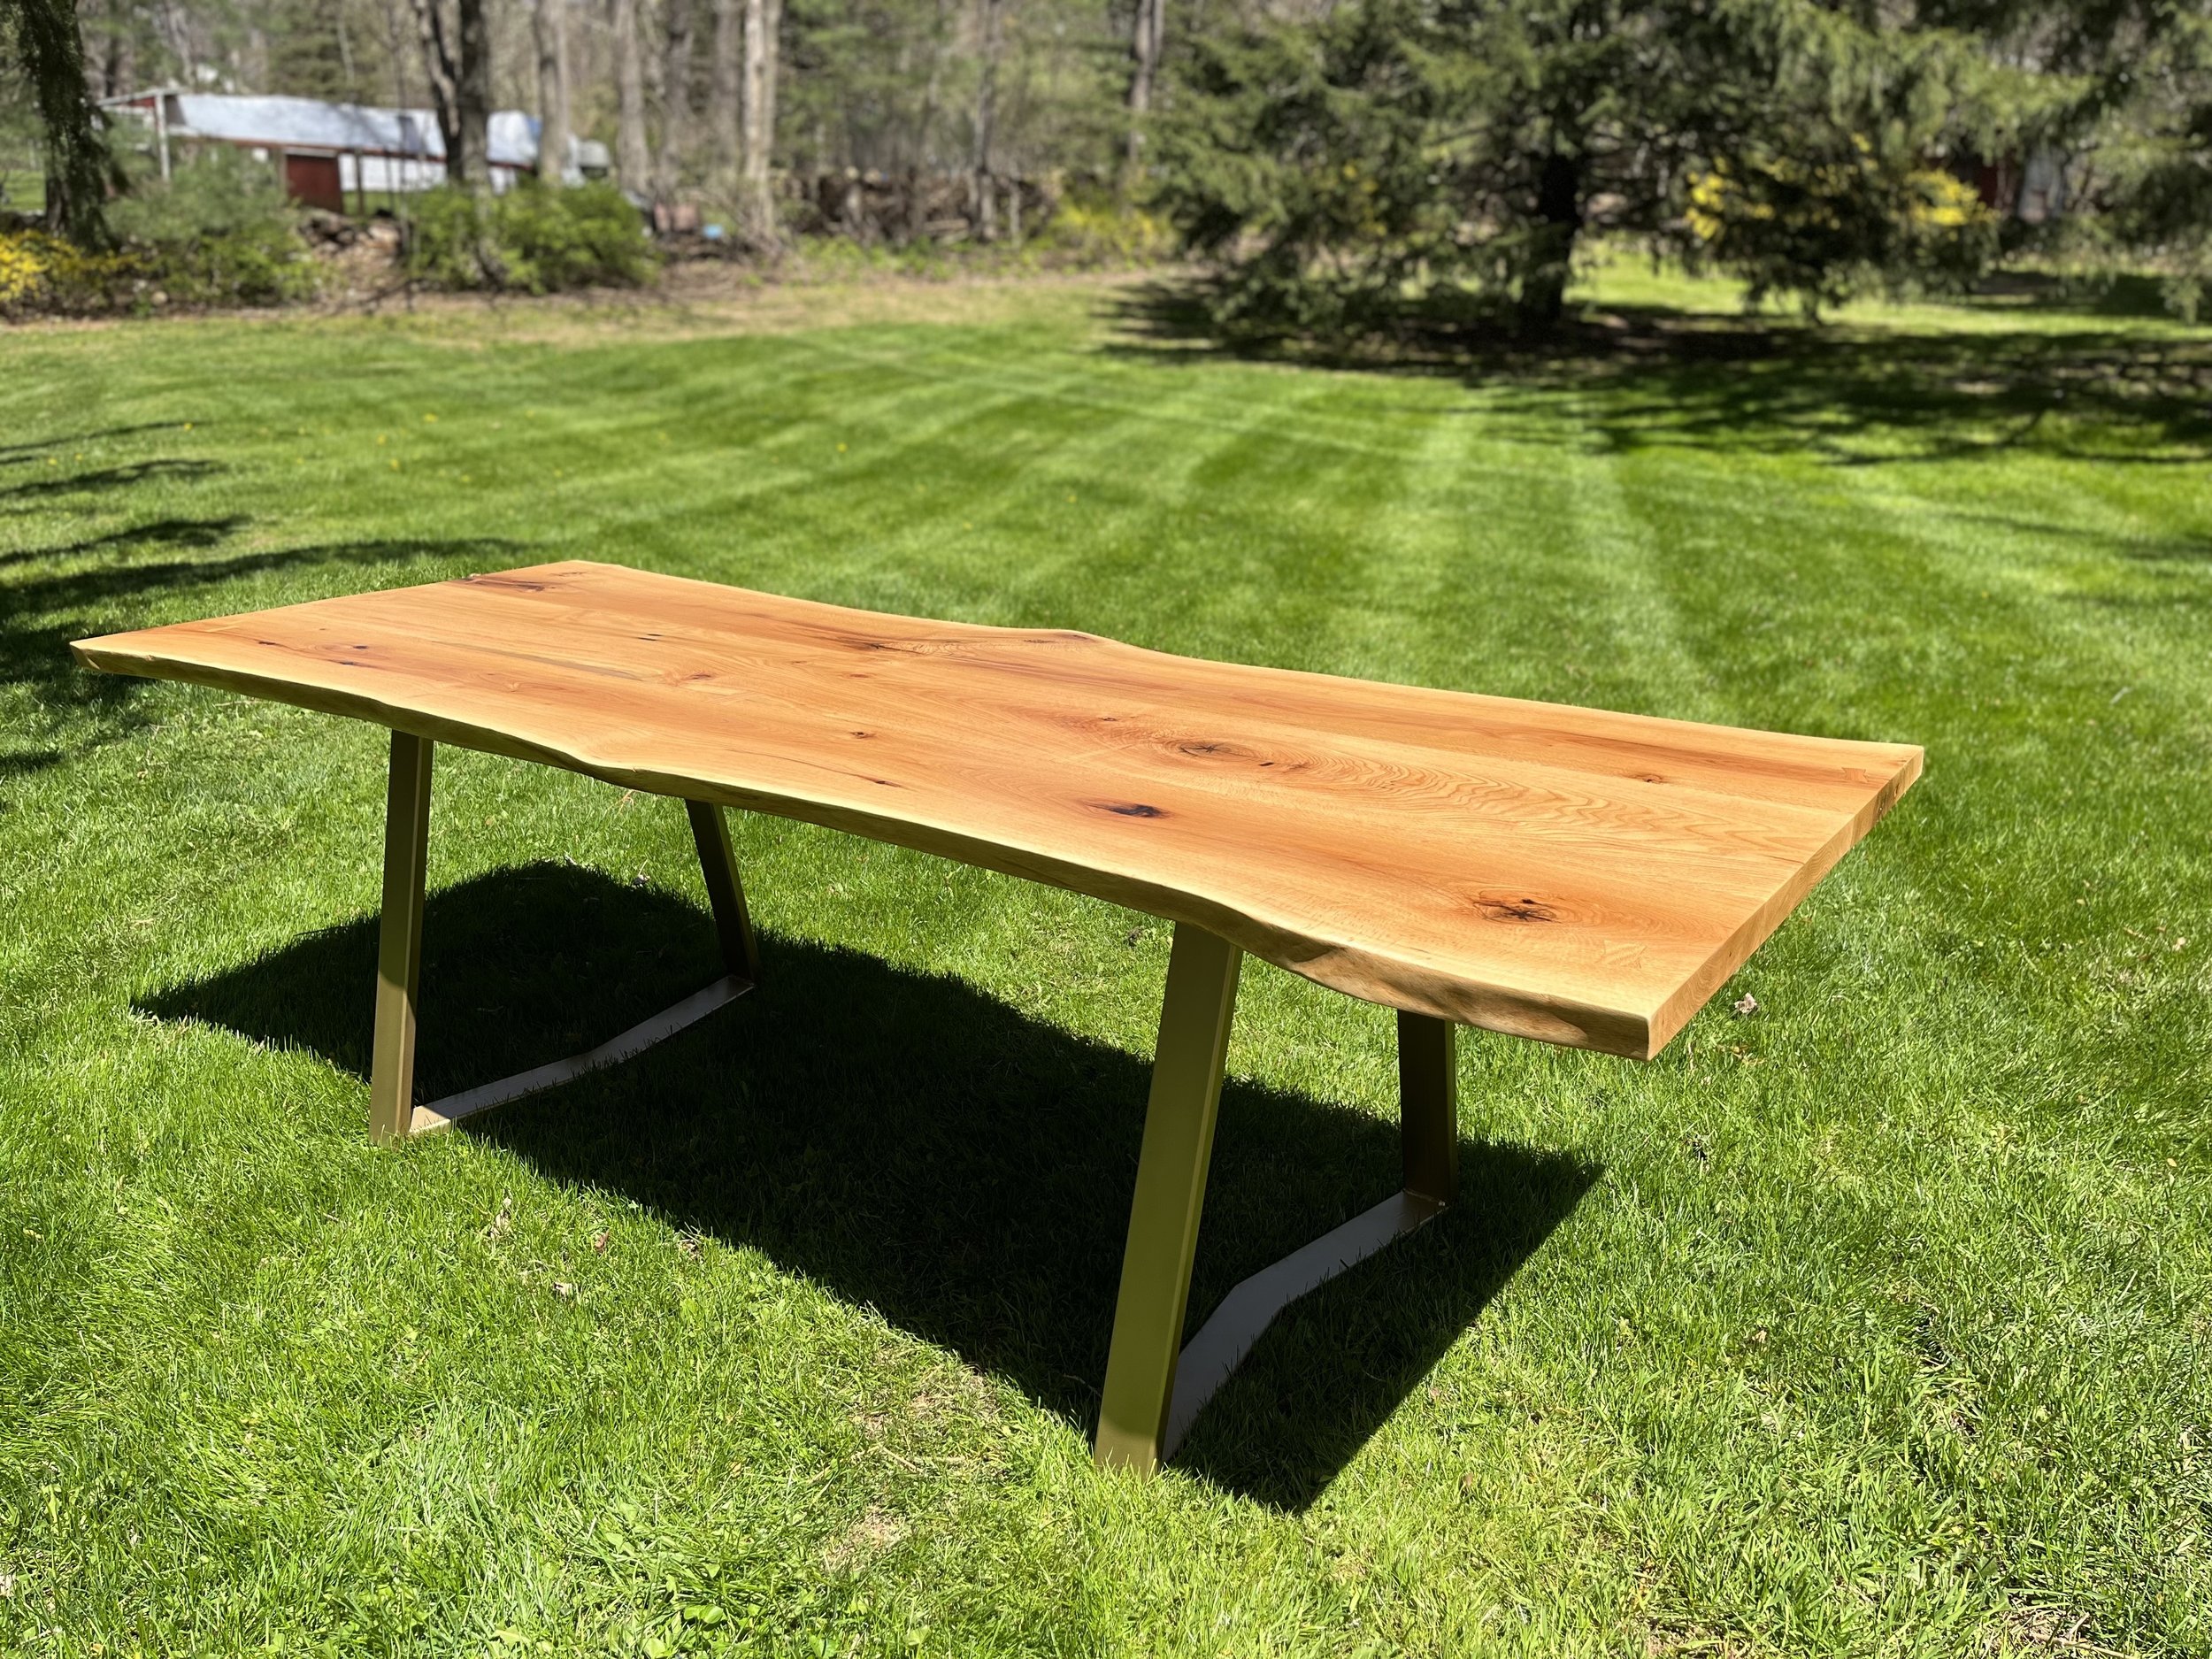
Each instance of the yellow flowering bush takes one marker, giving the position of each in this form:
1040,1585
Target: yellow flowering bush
1946,202
22,271
39,272
1091,228
1815,226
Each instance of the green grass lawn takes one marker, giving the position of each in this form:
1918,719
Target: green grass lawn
1875,1323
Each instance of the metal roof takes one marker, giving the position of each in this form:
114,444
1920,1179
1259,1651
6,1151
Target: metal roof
282,123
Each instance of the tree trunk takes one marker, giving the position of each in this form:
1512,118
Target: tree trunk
550,36
764,21
1543,300
176,29
675,99
118,69
78,166
1145,46
983,189
395,52
345,54
438,69
932,89
723,94
632,167
110,67
472,93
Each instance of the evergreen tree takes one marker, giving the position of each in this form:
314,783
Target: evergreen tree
79,168
1457,152
2132,128
308,53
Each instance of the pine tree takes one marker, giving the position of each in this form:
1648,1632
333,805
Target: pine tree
79,168
1463,152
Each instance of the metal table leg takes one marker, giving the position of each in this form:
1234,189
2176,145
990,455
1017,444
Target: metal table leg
1154,1392
393,1115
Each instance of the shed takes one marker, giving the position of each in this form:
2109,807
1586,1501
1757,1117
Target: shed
326,152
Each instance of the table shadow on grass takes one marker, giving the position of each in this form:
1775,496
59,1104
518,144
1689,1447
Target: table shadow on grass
921,1148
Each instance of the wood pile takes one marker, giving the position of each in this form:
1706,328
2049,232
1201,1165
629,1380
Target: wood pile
902,209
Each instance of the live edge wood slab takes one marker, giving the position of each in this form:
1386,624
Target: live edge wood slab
1584,878
1566,874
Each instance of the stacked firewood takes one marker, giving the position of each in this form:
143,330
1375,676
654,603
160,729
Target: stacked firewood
901,209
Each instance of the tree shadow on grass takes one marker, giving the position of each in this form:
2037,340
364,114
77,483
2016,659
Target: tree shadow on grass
2018,293
920,1148
162,470
25,454
1646,377
41,615
156,533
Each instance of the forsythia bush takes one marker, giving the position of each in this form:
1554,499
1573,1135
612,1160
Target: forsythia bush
22,268
1097,230
43,273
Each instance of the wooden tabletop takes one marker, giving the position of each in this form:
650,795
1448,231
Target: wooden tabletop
1580,877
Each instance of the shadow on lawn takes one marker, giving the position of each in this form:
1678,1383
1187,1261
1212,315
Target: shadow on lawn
920,1148
40,615
36,449
1644,377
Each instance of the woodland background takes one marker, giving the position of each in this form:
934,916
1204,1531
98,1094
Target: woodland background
1358,168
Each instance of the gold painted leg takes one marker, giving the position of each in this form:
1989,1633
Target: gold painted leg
1428,1106
725,892
1178,1138
399,949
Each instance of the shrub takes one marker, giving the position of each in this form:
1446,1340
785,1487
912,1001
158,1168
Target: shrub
1823,229
22,268
43,274
534,238
219,232
1093,228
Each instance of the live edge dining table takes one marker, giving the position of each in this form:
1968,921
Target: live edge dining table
1565,874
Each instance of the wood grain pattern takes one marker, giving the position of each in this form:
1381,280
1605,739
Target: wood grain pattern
1566,874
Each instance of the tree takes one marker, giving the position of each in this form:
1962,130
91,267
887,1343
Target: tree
632,167
983,185
310,55
1456,157
1148,42
2133,126
675,97
79,168
111,32
460,84
550,36
757,203
724,97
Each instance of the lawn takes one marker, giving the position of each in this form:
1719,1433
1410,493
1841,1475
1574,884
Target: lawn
1877,1321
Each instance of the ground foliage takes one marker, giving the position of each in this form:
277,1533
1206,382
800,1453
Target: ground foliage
220,233
529,239
1878,1320
217,231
